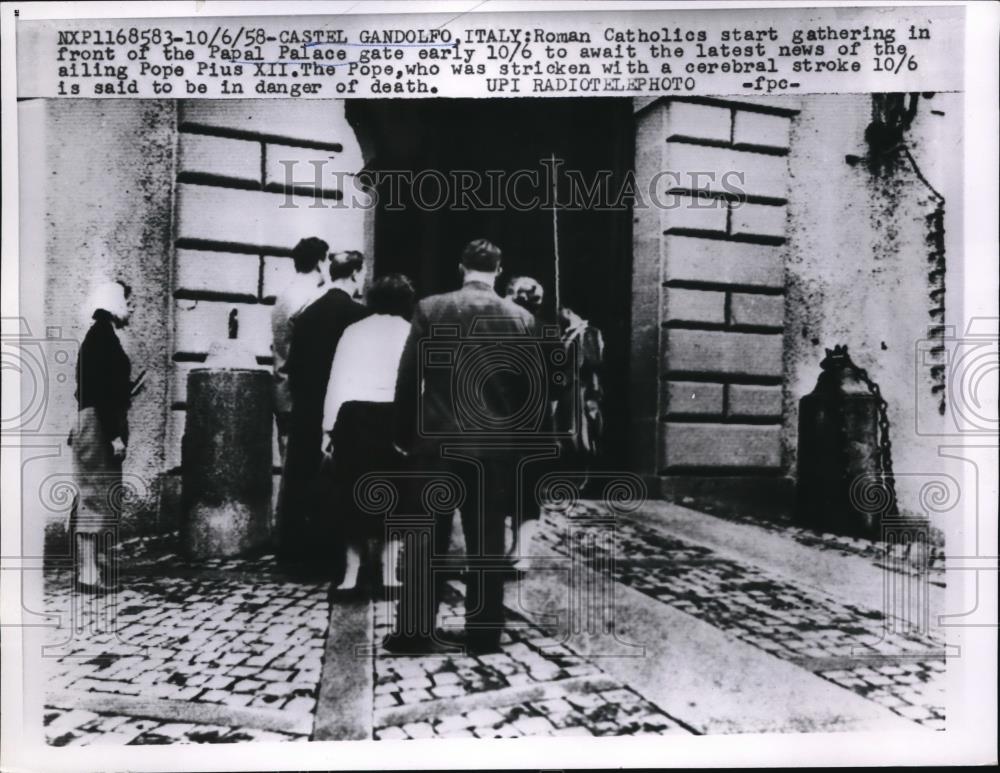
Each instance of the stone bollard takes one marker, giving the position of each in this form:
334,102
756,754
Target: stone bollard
226,462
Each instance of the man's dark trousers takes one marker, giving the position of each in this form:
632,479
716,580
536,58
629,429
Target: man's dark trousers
487,481
453,409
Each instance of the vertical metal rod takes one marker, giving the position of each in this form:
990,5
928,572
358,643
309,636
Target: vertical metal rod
555,237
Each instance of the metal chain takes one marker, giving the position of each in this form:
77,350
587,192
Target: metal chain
884,441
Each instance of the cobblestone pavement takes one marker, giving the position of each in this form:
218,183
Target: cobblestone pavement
879,553
230,651
569,695
222,635
850,646
76,727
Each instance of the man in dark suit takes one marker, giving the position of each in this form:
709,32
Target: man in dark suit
302,524
463,403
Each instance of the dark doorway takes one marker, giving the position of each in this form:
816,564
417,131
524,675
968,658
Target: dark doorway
591,137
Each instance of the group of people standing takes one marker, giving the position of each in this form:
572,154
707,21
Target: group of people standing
353,396
335,362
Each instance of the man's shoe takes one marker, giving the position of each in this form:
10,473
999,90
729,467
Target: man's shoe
415,645
453,637
458,638
480,647
345,595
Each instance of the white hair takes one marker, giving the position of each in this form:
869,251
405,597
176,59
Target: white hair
109,297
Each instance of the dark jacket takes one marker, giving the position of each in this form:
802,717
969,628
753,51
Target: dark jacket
317,332
103,374
457,381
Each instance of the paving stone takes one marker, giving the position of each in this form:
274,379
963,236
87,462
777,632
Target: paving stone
278,688
518,680
534,725
914,712
450,723
307,675
447,691
68,721
236,700
445,677
887,699
175,729
390,734
407,668
136,727
585,700
484,717
620,696
418,729
219,682
263,701
300,705
416,683
107,724
274,675
556,706
407,697
544,671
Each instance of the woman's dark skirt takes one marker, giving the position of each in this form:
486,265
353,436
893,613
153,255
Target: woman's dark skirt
362,454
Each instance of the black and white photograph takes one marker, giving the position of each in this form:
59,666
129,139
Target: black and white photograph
353,416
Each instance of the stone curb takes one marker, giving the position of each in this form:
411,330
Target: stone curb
181,711
506,696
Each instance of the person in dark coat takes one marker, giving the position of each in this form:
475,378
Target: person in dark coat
303,523
358,419
99,441
454,408
528,293
580,412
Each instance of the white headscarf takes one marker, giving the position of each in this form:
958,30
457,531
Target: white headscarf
109,296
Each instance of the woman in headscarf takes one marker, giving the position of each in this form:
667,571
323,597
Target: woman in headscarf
103,393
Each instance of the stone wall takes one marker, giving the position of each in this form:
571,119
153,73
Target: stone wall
98,181
239,214
862,268
736,297
189,203
708,284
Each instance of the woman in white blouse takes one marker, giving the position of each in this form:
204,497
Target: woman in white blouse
358,417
